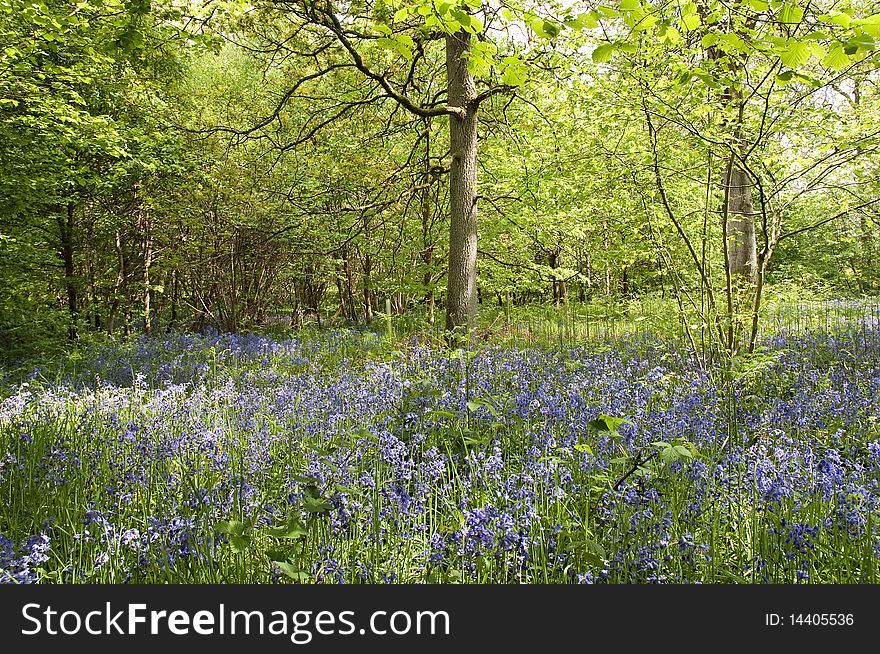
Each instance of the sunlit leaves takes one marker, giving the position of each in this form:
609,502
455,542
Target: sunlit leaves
795,53
791,14
603,53
690,22
544,28
481,58
515,71
837,59
402,44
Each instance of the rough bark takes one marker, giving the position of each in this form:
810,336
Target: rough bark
461,297
741,243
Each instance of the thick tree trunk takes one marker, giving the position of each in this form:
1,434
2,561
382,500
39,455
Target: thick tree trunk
461,297
741,244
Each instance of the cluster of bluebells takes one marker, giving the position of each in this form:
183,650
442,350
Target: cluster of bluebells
20,564
196,458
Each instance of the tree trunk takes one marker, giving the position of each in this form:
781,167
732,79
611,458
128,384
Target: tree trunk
65,229
368,291
741,244
148,262
461,298
121,274
340,289
427,244
175,298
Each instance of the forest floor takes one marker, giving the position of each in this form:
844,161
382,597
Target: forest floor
348,456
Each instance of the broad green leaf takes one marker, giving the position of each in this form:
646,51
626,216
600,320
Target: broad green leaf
861,41
629,5
672,36
647,23
316,505
791,14
837,59
709,40
606,423
292,571
515,72
603,53
795,54
840,18
784,78
292,530
231,527
690,22
551,29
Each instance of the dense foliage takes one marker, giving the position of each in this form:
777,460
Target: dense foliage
185,164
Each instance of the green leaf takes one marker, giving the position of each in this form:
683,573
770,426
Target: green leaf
784,78
280,553
239,543
292,571
580,21
841,19
603,53
551,29
795,54
316,505
671,36
837,59
690,22
791,14
861,41
606,423
629,5
683,452
231,527
584,448
515,72
386,43
293,530
595,548
759,5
